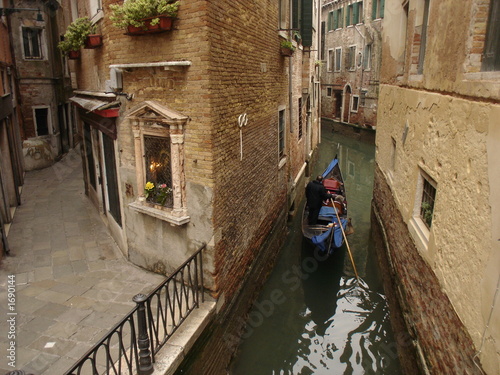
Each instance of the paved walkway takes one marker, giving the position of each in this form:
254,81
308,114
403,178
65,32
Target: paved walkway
71,282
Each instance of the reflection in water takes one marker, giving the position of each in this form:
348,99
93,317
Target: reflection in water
312,316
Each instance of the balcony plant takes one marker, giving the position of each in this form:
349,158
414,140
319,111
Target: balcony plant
144,16
78,34
287,48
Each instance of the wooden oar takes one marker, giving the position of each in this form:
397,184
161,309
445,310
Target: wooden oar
345,239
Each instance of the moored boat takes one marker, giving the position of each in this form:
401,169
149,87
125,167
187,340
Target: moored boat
333,224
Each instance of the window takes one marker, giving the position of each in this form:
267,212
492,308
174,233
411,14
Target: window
367,57
349,15
32,38
338,59
159,149
491,54
95,7
331,21
157,159
329,91
337,18
42,121
354,13
301,123
378,9
428,199
351,58
355,103
329,66
423,39
281,133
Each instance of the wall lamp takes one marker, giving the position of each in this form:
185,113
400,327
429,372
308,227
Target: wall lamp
9,11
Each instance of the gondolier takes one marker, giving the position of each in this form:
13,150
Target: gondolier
316,194
324,220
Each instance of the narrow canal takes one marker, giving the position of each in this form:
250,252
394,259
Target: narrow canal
312,316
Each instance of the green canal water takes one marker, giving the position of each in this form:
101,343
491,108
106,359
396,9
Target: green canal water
312,316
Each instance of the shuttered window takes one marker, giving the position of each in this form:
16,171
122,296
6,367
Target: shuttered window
378,9
491,54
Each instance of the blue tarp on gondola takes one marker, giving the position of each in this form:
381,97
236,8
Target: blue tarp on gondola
323,239
330,167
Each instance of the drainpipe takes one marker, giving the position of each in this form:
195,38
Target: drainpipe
364,45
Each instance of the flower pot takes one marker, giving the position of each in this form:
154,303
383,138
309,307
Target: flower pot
286,51
93,41
164,24
73,55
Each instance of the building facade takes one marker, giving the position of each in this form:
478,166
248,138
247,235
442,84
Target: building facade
350,60
11,160
43,80
437,178
199,134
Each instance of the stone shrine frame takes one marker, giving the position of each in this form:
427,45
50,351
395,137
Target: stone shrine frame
153,119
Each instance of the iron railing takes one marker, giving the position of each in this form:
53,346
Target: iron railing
131,345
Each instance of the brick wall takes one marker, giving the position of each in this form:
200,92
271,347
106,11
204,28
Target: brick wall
430,319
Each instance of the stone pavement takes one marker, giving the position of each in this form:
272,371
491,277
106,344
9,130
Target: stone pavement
69,281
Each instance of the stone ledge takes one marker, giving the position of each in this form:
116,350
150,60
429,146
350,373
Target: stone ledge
169,358
159,214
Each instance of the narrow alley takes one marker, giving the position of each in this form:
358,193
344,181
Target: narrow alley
68,282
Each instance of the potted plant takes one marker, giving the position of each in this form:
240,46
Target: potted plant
157,194
80,33
141,17
287,48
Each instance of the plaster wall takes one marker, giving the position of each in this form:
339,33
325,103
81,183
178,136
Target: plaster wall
450,139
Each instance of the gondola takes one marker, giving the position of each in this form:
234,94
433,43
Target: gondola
327,234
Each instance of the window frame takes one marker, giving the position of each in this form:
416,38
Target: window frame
330,62
338,60
27,55
354,98
351,57
367,57
153,119
418,227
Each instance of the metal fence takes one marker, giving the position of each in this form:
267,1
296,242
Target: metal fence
131,345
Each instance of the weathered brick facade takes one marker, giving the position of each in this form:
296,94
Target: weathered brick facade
342,81
436,331
234,190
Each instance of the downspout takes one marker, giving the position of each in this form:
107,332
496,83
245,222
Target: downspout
362,69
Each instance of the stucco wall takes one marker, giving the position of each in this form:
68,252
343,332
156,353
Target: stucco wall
447,138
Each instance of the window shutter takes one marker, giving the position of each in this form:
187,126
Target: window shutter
307,23
348,16
330,17
382,6
355,13
491,54
374,9
335,20
341,22
295,14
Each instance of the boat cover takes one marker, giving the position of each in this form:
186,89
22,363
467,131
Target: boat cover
330,167
321,240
